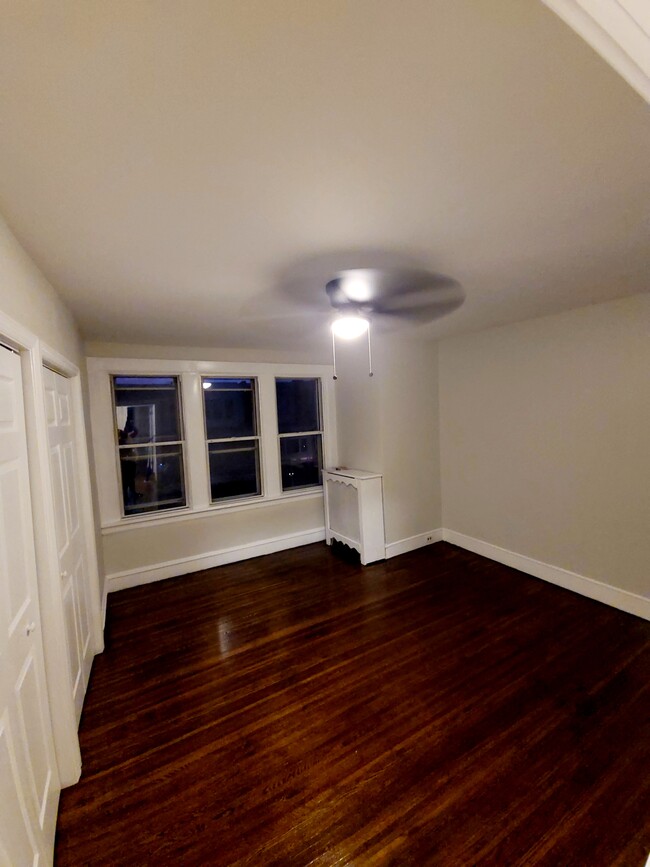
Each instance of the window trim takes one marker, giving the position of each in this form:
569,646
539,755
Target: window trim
197,479
294,434
181,443
257,436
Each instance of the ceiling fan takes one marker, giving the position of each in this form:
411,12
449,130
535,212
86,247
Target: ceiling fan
362,295
408,294
387,293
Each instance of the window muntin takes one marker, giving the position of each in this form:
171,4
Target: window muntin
150,443
300,432
232,437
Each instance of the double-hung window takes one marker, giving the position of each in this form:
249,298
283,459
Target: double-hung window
232,436
300,432
149,433
177,438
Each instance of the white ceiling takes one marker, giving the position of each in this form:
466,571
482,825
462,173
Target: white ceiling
188,173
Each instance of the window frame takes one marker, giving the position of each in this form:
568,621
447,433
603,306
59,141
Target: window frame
257,436
151,445
196,464
295,434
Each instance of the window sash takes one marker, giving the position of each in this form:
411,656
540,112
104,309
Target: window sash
253,390
255,437
305,433
162,505
319,402
253,450
319,466
232,439
300,433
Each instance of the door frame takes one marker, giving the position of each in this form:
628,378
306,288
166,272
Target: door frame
34,354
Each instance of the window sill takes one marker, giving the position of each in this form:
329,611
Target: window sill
188,514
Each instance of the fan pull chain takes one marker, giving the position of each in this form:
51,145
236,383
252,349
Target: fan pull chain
370,371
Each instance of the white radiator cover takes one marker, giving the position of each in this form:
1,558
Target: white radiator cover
354,511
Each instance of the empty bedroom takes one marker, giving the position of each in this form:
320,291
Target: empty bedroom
324,433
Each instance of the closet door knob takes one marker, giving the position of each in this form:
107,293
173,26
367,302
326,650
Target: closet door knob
30,628
64,574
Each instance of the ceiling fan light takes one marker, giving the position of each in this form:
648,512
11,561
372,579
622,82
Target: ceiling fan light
349,327
358,288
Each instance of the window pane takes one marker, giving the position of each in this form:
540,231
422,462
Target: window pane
229,407
301,461
234,469
298,405
152,478
147,409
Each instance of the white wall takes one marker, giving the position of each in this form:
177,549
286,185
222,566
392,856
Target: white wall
147,552
358,408
545,440
389,424
98,349
27,297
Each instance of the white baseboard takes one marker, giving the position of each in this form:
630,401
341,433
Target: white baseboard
394,549
601,592
622,599
173,568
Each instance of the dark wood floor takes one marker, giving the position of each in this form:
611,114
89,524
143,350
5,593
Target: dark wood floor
297,709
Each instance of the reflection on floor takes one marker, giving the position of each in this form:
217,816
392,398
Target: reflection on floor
298,708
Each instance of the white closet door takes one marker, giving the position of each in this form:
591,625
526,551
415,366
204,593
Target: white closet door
29,780
69,533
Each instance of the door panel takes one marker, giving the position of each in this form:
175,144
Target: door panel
72,554
29,780
33,732
13,545
71,489
17,841
84,610
60,518
73,636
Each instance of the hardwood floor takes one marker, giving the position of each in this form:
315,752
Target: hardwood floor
297,709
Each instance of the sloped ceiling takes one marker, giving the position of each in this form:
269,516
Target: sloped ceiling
187,173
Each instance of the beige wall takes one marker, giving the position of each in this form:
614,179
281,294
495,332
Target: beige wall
358,408
545,440
27,297
97,349
146,546
389,424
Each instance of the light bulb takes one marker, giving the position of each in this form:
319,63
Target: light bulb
358,288
349,327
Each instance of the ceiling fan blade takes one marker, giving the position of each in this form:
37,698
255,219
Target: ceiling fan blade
406,294
423,295
421,315
434,298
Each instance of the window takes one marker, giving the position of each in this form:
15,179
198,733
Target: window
149,431
300,432
231,429
176,439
